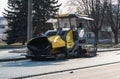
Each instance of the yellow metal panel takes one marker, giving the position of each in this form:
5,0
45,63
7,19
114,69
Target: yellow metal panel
69,39
56,41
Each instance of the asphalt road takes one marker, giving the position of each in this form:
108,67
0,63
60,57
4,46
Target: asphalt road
104,72
15,69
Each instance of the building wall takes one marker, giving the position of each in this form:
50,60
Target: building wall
3,28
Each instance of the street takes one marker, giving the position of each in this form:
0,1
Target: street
82,38
28,68
104,72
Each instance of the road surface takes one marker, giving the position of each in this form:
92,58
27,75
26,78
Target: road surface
15,69
104,72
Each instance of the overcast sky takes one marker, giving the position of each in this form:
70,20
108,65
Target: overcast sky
3,4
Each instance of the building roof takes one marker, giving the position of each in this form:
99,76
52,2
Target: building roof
81,16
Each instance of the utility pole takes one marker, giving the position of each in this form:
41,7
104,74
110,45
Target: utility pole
29,27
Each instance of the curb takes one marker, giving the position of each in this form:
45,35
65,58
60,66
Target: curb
12,59
108,50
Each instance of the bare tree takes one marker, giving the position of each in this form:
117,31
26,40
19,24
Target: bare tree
113,18
77,6
96,10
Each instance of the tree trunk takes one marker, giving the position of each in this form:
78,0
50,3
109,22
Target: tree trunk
96,37
23,43
116,38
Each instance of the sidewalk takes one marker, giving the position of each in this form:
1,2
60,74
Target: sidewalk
16,54
7,54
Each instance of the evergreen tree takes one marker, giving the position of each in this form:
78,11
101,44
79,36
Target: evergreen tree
42,11
16,15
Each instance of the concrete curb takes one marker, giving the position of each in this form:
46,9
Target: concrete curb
13,59
118,49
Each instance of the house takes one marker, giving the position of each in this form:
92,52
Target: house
3,28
